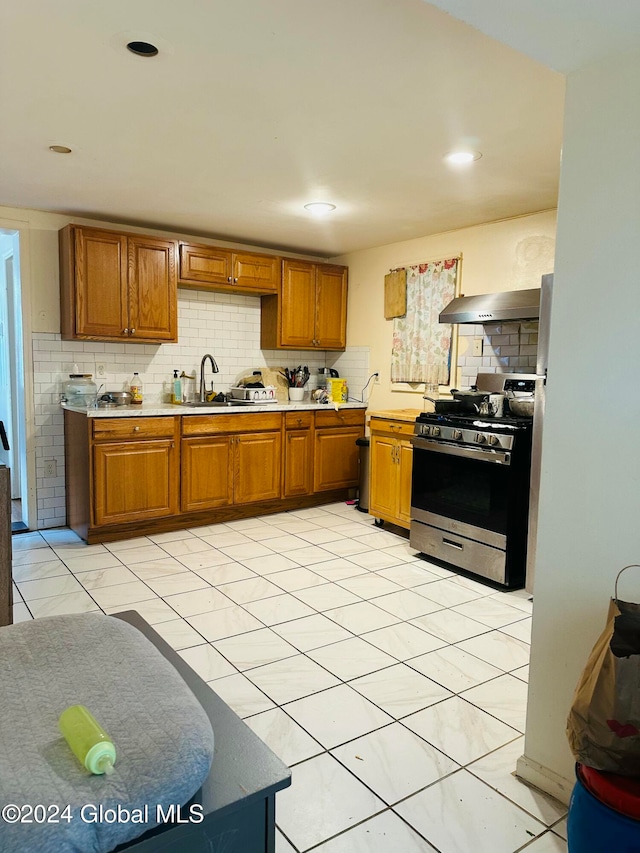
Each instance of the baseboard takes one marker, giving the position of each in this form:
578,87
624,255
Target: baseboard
545,779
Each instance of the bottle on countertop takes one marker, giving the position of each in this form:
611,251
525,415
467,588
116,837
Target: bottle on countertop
176,396
88,741
135,386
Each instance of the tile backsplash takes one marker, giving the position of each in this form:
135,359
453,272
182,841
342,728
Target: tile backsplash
507,348
225,325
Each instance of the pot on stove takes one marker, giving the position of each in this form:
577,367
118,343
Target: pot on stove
470,399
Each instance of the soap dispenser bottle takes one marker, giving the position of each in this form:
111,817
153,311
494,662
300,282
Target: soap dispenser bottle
176,396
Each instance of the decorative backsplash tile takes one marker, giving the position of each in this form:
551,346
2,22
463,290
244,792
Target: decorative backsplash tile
225,325
507,348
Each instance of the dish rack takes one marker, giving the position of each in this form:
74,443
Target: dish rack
256,395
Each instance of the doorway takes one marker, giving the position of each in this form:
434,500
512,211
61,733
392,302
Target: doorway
12,387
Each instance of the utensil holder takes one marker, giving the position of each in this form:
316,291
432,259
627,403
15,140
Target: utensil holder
296,395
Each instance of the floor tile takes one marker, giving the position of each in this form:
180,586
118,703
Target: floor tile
255,648
157,568
241,695
520,630
226,573
32,556
450,626
522,673
59,605
337,715
39,571
279,609
292,678
351,658
285,543
361,617
180,547
127,544
309,556
129,556
406,604
384,833
323,800
175,584
77,549
454,669
337,569
460,814
99,578
203,559
326,597
519,598
207,662
284,736
270,564
224,538
492,613
153,611
345,547
311,632
547,843
296,525
298,578
252,589
446,593
263,533
375,758
320,536
460,730
178,633
374,560
498,771
102,560
245,523
399,690
28,541
198,601
403,641
247,550
498,649
351,528
504,697
47,587
477,586
21,612
561,828
377,539
218,624
170,536
407,575
369,585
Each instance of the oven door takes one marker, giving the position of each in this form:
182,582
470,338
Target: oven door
462,488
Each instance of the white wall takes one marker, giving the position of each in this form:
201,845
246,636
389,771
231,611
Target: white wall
589,501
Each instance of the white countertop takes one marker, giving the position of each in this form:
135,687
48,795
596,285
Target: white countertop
148,410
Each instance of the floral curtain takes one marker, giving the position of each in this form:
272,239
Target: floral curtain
421,345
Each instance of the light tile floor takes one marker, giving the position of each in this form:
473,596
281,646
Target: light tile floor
395,689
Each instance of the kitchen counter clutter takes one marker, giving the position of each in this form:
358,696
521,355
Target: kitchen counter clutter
132,471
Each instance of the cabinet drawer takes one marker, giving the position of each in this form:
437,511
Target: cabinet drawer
390,427
343,417
298,420
215,424
106,429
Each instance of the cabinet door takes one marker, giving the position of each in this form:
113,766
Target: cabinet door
256,273
383,477
100,293
336,459
134,480
298,462
331,307
405,457
153,298
207,473
298,305
258,466
204,265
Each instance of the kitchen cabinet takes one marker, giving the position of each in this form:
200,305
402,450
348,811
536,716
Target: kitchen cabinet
135,463
336,454
298,453
391,458
116,286
217,269
230,459
310,312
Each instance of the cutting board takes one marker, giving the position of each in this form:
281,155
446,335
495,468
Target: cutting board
395,294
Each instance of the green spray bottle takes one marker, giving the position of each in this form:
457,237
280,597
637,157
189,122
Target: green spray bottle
88,741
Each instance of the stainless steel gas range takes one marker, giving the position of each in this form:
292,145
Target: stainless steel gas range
470,488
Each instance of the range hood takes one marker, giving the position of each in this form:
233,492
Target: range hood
494,307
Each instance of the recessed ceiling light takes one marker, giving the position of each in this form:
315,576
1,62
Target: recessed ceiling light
142,48
60,149
319,207
460,158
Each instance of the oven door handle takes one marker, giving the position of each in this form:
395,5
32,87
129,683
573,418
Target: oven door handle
487,454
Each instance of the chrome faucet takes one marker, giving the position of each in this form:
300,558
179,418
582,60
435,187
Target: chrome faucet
214,368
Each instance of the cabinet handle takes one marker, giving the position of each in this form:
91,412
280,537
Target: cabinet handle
136,429
229,279
132,332
235,279
125,331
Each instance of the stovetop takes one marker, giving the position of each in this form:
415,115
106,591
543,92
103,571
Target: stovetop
470,421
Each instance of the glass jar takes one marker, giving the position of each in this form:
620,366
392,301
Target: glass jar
81,391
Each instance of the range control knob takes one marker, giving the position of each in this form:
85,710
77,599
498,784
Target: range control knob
480,438
435,430
456,434
493,440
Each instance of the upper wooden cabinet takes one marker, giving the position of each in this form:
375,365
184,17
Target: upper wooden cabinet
116,286
211,268
310,312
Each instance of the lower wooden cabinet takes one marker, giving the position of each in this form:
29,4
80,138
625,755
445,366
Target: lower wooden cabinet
391,459
336,454
298,453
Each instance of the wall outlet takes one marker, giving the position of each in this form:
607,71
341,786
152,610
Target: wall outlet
50,468
376,379
101,370
477,346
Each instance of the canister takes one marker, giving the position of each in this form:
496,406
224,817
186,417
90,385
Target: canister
337,390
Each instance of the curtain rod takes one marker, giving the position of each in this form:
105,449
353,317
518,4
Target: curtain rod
455,257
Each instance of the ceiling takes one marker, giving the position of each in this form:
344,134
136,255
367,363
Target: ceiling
254,107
